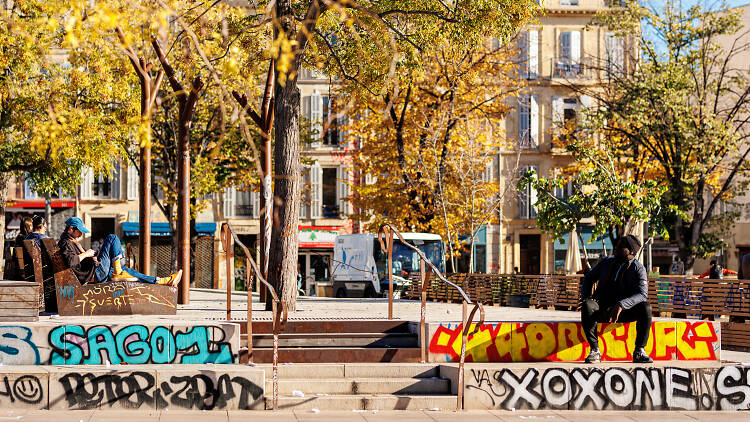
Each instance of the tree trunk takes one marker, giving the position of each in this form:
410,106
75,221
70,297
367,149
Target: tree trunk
4,180
282,271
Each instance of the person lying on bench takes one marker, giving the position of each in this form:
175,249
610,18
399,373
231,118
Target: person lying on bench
102,265
616,290
39,227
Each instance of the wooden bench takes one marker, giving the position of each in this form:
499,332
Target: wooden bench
111,298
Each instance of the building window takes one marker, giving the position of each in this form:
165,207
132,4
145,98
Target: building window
246,203
614,55
527,196
528,46
330,201
568,63
100,187
528,121
568,2
333,122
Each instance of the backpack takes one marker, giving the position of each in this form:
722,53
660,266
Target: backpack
716,272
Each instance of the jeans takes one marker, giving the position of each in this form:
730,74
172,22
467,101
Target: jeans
640,313
110,251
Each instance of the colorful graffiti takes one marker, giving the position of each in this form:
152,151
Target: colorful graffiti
614,388
565,341
134,344
128,344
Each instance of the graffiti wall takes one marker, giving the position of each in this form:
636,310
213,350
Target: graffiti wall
45,343
565,341
121,388
613,388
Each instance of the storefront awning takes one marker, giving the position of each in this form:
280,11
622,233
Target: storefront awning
130,228
39,204
318,236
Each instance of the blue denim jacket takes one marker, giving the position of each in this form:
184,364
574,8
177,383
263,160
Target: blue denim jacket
631,290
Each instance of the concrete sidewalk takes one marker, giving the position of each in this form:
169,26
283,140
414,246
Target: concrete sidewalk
384,416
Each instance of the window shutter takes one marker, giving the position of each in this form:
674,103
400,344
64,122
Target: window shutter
316,113
585,101
132,184
565,43
523,197
369,179
316,191
533,193
533,54
523,54
614,53
306,107
255,204
557,110
575,46
304,204
343,190
86,182
533,121
229,194
114,183
488,170
523,120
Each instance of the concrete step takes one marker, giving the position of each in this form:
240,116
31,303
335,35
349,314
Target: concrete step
362,386
365,402
329,326
352,370
377,340
334,355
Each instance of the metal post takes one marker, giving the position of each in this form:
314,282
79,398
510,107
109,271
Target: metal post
390,274
230,274
464,331
424,277
248,270
183,217
144,210
274,309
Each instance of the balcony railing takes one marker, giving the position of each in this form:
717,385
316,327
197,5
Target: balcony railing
565,68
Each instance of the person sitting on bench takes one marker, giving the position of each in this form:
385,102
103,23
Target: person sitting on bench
39,230
616,290
102,265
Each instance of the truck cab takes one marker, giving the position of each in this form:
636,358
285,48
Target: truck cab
359,264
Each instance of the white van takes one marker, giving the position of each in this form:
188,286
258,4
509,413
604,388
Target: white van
359,264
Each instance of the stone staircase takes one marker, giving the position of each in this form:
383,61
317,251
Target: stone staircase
360,387
334,341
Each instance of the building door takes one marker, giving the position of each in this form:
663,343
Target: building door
530,258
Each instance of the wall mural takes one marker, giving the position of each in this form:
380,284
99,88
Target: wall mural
115,344
565,341
632,388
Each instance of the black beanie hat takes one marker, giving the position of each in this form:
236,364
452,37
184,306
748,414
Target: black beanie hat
632,243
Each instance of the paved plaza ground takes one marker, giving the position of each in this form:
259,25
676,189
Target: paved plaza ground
370,416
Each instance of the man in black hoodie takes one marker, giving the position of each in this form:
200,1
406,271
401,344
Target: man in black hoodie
616,290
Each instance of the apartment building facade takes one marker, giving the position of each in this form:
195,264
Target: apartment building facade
557,54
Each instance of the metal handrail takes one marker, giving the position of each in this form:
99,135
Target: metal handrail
387,231
279,313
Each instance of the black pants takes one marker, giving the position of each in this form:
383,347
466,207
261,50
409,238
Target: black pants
640,313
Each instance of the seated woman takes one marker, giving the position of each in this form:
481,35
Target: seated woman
39,230
102,265
27,225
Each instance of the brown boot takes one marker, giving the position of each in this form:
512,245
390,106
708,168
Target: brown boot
119,275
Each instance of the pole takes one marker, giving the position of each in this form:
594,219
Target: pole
230,279
183,213
47,208
144,209
424,278
390,274
249,322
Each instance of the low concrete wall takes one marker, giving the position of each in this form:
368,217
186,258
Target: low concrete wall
565,341
603,387
225,387
151,342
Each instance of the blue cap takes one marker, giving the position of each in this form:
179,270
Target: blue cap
76,223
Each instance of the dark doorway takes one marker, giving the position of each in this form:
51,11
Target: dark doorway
530,253
100,228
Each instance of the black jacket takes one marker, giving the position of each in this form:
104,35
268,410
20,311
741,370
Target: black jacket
629,289
70,249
